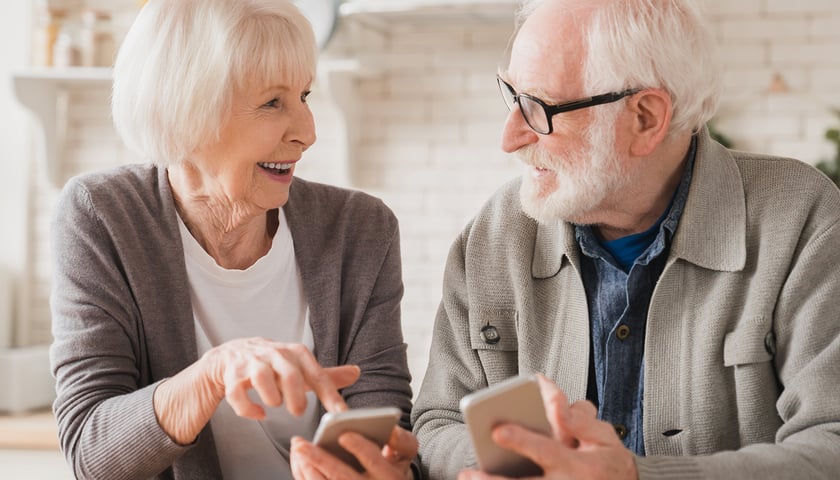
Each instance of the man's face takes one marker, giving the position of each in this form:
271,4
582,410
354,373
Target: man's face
569,184
570,172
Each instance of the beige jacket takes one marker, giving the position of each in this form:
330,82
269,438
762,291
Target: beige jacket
742,354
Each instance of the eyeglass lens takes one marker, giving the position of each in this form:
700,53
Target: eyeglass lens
532,111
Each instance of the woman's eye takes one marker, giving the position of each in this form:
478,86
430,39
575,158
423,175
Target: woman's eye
304,95
273,103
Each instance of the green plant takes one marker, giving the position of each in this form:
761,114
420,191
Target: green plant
831,167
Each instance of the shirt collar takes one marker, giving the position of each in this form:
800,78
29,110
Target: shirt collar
592,247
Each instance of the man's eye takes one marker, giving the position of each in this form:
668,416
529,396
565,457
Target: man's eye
273,103
304,96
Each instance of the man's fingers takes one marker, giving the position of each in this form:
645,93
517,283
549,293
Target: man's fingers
556,410
538,448
585,426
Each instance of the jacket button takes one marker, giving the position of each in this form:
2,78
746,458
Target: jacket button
622,332
770,343
490,335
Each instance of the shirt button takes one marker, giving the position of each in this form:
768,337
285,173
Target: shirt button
620,430
622,332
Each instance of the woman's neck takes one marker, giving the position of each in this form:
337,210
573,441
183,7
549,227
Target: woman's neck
234,238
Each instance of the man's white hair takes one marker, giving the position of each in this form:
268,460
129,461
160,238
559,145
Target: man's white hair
666,44
182,61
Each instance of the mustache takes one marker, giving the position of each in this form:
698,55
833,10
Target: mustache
536,157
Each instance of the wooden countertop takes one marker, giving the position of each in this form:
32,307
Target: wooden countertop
34,431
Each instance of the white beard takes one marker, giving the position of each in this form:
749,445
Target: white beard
582,181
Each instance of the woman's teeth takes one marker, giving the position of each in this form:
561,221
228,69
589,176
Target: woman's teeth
278,167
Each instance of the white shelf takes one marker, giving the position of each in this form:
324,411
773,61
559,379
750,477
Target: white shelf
43,91
430,11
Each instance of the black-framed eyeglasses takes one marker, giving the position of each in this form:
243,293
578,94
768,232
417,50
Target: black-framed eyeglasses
538,114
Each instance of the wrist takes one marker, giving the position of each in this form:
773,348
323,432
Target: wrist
184,403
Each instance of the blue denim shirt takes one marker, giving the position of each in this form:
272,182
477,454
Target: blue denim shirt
618,303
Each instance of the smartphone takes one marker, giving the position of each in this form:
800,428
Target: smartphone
375,424
515,400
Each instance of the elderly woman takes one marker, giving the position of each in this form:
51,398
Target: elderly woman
195,295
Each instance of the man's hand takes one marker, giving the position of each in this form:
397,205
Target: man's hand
581,446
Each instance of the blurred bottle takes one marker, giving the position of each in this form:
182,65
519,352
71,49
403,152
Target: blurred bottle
96,39
48,23
66,51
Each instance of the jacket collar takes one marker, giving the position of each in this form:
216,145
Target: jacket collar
711,233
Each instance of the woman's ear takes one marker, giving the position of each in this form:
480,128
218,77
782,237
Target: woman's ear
651,118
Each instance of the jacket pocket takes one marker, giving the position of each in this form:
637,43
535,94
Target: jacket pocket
493,337
752,341
749,351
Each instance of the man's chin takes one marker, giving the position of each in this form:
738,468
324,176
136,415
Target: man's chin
536,205
551,207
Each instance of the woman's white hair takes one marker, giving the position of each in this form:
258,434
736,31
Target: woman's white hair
182,61
651,43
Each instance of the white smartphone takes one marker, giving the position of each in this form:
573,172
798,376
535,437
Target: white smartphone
515,400
375,424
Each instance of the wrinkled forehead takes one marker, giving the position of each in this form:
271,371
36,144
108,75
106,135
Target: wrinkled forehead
548,51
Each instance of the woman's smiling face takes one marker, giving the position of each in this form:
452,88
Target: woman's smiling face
251,164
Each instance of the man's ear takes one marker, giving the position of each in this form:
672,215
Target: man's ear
651,117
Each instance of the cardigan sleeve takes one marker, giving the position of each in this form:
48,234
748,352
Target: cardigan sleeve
377,346
106,420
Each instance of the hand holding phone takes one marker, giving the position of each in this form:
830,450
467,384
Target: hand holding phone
515,400
375,424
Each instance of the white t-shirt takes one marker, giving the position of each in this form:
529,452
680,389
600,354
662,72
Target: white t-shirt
265,300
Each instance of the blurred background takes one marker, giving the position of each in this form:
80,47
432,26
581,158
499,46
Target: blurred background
406,108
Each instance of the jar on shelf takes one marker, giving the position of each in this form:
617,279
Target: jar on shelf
48,23
96,39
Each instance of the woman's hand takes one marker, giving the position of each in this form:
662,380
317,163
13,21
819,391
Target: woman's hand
393,461
279,373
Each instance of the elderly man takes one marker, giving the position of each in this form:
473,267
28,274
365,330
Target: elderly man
681,295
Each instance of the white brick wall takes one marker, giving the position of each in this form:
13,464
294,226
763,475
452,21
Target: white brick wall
801,42
431,118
